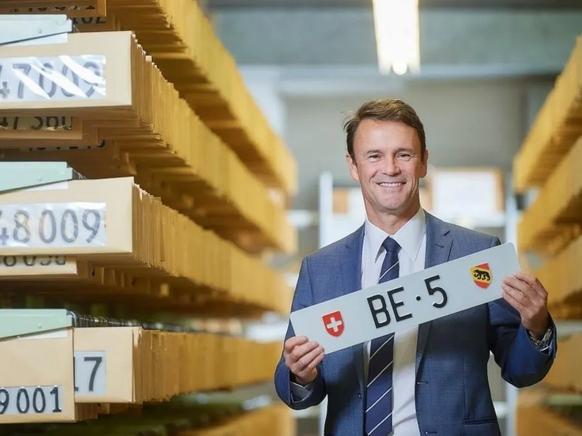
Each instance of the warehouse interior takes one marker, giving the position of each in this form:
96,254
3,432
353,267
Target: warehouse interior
203,158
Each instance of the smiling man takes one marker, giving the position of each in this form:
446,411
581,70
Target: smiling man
429,379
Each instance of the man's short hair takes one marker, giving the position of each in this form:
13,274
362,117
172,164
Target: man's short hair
384,110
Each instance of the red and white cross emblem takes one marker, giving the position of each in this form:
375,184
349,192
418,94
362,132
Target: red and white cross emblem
334,324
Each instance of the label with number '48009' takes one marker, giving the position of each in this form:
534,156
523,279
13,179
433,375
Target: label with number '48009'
54,225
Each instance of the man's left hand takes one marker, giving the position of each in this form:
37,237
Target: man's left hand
529,297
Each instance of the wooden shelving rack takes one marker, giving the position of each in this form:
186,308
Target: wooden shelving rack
550,233
142,187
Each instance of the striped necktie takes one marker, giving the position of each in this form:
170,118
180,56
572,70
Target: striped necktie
378,416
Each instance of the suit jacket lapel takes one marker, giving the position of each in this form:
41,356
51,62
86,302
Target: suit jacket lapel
351,274
438,250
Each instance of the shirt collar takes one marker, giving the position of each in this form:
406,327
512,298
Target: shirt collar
409,236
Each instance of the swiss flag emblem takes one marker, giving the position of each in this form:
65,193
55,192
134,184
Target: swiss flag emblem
334,323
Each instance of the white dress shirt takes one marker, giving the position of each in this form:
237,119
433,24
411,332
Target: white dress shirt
412,240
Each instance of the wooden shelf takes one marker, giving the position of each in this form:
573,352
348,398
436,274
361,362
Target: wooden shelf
565,374
560,274
184,46
185,198
554,219
534,418
551,231
131,365
112,235
141,127
556,128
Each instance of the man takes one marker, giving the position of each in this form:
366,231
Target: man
426,380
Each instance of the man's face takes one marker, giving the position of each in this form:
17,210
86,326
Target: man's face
388,165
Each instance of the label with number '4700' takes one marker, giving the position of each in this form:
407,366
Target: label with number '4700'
54,225
28,400
52,78
407,301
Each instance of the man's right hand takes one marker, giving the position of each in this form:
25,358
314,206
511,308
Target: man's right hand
302,357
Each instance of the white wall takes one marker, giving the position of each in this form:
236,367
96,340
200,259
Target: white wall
468,123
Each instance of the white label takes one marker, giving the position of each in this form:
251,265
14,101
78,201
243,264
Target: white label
90,373
14,266
31,400
44,123
89,20
50,148
58,225
407,301
52,78
20,262
51,9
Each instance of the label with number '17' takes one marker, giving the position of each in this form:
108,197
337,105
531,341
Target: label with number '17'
55,225
52,78
28,400
90,373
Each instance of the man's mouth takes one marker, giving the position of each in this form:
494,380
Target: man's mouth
391,184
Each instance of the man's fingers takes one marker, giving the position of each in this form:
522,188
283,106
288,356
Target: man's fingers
523,288
293,342
306,360
305,366
315,361
516,284
519,302
303,357
302,350
533,281
515,298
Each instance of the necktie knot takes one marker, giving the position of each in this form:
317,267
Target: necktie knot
390,245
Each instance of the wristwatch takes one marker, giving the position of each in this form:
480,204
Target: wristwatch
543,342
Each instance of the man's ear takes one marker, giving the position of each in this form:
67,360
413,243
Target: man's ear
424,165
352,166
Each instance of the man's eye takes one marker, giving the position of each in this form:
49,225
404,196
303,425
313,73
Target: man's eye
374,156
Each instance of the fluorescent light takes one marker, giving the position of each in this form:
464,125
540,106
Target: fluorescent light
397,35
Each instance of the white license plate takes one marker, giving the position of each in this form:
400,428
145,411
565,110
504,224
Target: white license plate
407,301
52,78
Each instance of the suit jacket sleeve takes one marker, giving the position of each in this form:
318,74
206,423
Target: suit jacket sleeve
302,298
521,363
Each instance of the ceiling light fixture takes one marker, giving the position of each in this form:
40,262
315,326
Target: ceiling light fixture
397,35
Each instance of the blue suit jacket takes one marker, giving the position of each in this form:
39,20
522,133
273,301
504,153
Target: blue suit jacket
452,391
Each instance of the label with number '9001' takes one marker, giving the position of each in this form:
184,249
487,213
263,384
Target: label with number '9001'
28,400
52,78
55,225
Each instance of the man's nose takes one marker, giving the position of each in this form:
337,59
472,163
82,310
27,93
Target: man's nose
390,165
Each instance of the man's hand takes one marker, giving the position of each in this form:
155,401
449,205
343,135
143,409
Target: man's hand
302,358
528,296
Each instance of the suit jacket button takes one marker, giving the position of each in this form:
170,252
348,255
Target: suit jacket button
359,395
